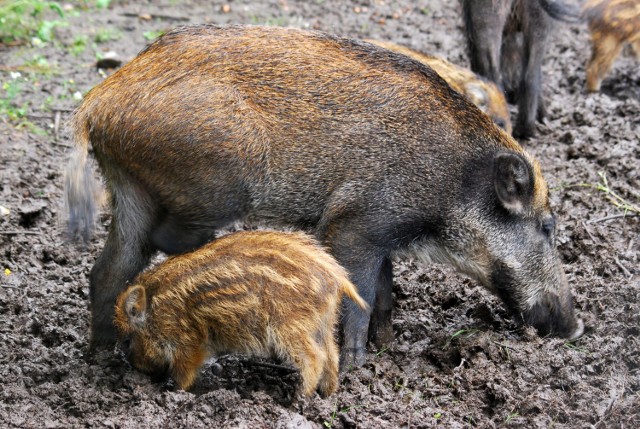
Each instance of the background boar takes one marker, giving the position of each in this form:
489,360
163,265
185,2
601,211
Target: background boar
260,293
506,41
481,92
369,149
612,24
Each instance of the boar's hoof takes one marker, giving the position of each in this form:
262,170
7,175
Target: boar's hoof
524,131
381,334
352,357
101,340
578,332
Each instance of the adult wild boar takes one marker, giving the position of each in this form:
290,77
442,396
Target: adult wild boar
506,41
369,149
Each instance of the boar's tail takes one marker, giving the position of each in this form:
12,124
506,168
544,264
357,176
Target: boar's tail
81,189
561,11
350,290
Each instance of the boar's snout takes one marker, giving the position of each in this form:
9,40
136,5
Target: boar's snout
553,315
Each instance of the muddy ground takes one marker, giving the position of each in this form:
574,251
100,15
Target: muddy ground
457,361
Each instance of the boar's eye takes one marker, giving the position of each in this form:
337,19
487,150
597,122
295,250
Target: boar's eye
548,226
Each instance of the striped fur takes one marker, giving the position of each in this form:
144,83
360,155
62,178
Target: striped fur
260,293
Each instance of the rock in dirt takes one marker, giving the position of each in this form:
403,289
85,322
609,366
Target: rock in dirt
110,60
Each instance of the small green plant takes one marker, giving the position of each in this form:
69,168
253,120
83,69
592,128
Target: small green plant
104,35
152,35
572,346
39,65
510,417
79,45
10,106
382,351
22,19
504,349
8,103
458,333
92,4
329,423
614,198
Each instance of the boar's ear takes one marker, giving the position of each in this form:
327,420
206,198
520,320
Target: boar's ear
513,182
135,306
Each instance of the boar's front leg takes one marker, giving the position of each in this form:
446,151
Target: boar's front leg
380,328
365,263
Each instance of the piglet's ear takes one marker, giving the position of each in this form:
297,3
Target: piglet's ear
135,306
477,95
513,180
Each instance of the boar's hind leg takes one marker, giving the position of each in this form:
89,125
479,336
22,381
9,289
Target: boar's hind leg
126,252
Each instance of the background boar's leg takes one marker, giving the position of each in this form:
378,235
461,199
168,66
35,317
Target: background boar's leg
125,253
481,19
536,30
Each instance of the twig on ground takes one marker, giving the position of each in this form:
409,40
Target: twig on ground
269,365
462,361
16,232
39,116
56,124
504,345
157,16
626,272
602,219
63,109
60,144
588,232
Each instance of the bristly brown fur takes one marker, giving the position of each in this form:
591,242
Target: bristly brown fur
481,92
612,23
260,293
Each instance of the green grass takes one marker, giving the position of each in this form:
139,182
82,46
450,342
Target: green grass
602,186
329,423
22,20
152,35
9,106
510,417
613,197
466,332
104,35
79,45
